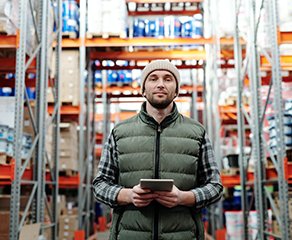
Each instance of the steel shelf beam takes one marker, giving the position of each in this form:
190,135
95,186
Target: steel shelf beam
261,205
85,136
37,197
56,127
19,101
278,100
82,160
148,55
240,122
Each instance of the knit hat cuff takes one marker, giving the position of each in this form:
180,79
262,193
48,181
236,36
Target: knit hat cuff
159,65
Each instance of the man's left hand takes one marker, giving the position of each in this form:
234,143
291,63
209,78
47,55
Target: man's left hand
175,197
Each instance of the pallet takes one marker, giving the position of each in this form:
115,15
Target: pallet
68,172
71,35
231,171
2,33
5,159
90,35
74,103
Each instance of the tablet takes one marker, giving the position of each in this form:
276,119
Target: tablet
157,184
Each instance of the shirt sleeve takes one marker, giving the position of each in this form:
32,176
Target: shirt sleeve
209,183
105,187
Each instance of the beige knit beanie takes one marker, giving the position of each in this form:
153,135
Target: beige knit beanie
160,65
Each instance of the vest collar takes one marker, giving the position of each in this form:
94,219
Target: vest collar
146,118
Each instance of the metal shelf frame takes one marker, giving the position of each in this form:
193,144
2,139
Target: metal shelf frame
240,120
250,66
211,114
37,199
86,134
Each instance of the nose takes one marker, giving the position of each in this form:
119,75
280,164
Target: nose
160,82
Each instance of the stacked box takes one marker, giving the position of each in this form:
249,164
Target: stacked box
107,17
4,226
27,123
68,224
5,213
68,147
7,141
61,208
7,111
94,20
275,225
7,17
69,77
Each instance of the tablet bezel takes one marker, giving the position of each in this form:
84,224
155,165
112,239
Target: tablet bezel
157,184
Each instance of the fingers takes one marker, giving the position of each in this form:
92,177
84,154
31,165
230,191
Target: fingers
167,201
142,197
142,202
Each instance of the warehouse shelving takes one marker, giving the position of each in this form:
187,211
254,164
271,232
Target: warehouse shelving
7,177
149,55
149,11
86,134
280,173
7,174
16,174
9,41
284,38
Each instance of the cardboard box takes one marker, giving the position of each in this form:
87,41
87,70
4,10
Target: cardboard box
68,143
27,123
3,158
4,226
69,77
68,163
69,59
71,210
7,111
5,202
68,130
68,224
31,232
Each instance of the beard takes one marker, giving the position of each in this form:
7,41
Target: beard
159,104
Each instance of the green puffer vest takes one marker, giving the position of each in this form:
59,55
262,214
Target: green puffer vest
148,150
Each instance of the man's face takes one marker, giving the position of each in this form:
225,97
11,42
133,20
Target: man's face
160,88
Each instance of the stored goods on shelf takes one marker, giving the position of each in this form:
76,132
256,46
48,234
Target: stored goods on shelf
106,18
69,78
70,16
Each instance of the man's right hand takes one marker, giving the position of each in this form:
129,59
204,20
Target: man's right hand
136,195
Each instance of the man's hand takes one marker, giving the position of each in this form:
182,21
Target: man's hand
175,198
136,195
143,197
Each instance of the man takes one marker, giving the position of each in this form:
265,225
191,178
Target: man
158,142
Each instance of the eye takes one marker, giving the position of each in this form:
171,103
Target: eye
152,78
168,79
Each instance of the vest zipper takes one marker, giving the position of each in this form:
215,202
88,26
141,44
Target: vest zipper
156,175
157,153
